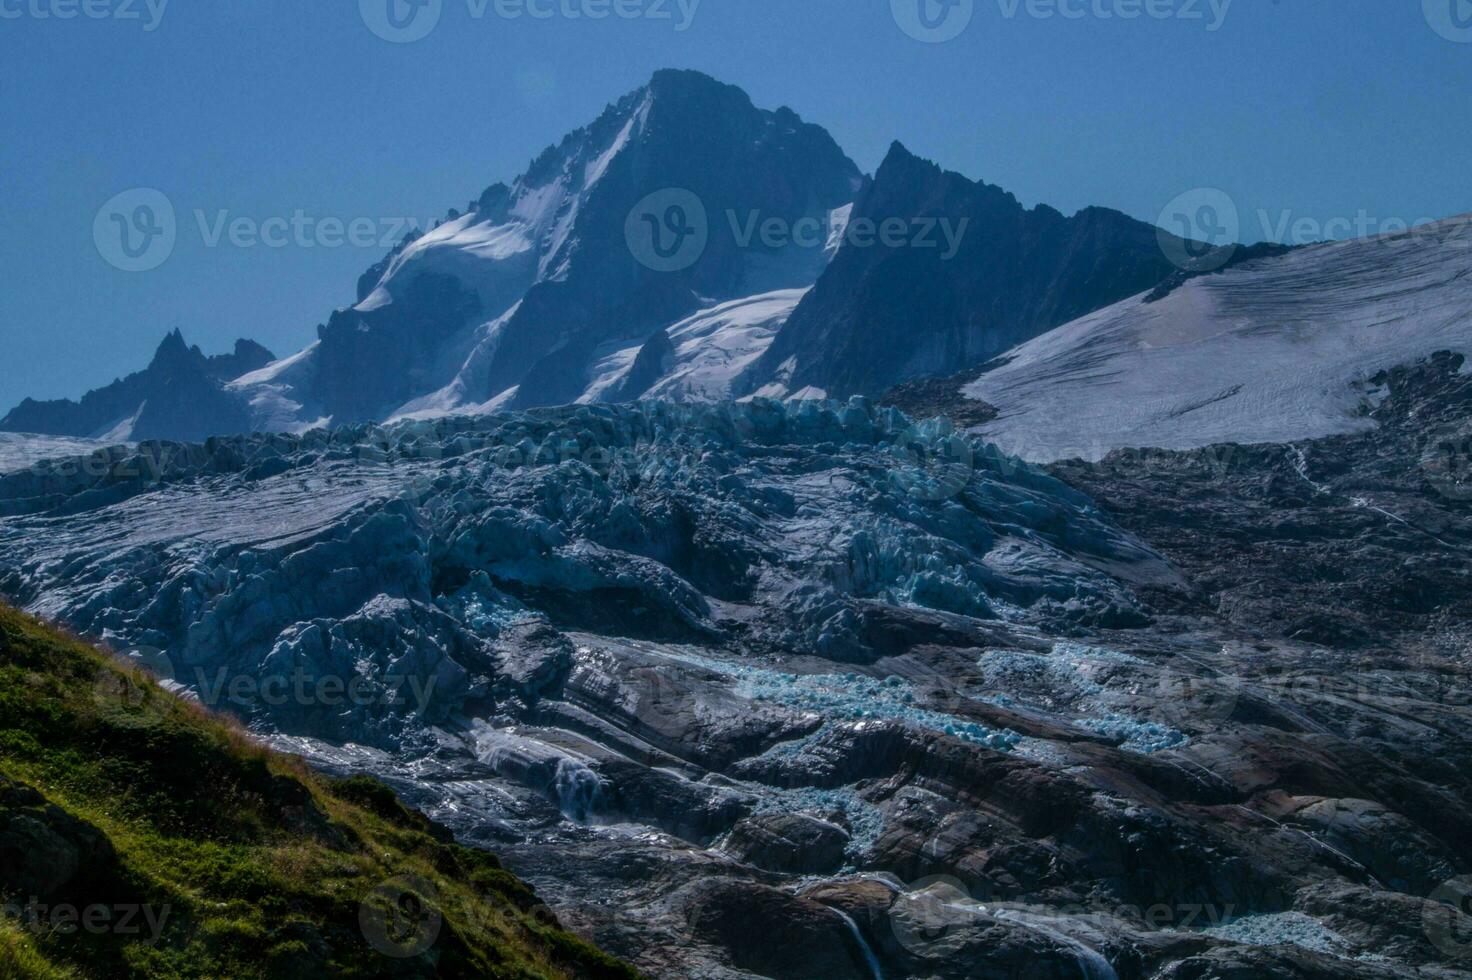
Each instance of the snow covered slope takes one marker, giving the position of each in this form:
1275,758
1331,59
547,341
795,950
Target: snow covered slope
538,295
18,451
707,351
1273,350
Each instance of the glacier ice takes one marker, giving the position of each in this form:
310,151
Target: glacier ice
373,552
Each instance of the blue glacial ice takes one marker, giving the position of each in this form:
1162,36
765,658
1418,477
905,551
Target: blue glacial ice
761,524
1073,681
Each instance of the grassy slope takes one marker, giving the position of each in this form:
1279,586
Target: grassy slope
262,865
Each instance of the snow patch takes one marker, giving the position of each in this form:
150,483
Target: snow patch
1275,350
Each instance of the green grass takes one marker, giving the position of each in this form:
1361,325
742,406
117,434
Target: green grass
252,865
19,957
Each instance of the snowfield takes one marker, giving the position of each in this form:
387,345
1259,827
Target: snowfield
712,349
1274,350
18,451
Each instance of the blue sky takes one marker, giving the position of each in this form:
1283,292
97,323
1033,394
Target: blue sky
1336,114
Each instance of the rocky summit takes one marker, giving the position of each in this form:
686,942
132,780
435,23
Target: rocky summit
802,690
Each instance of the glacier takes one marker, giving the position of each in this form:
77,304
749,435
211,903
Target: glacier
677,662
1272,350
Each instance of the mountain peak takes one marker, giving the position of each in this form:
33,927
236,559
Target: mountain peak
173,340
173,351
899,163
685,81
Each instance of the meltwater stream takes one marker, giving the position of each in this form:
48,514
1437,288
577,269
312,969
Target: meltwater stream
864,947
1091,963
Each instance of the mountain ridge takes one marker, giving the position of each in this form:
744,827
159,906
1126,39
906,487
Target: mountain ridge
180,394
882,315
543,292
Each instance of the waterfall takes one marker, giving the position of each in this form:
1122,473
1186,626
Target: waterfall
1091,963
864,947
577,789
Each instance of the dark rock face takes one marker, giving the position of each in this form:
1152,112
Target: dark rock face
699,136
368,281
370,363
774,934
881,315
1356,542
44,851
794,843
652,363
1214,262
926,398
180,395
563,281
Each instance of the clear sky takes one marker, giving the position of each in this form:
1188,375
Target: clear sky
1325,114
